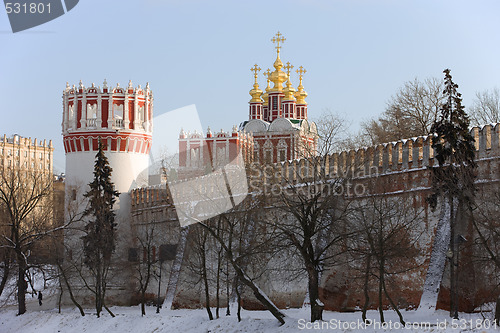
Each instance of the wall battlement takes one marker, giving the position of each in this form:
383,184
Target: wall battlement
398,156
401,155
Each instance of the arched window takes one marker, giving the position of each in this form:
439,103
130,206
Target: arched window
91,115
282,148
256,152
268,152
118,115
140,115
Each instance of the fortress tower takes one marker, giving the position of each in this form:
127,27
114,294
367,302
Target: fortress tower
122,119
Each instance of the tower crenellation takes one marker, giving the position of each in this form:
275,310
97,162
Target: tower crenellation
122,118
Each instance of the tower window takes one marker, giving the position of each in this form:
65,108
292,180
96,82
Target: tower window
275,102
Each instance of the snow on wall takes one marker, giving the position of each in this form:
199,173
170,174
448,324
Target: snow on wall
176,268
437,261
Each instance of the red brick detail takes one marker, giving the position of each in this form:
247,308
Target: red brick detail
118,142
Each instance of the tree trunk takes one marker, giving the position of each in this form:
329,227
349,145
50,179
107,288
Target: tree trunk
313,287
98,292
261,297
270,306
238,298
6,272
497,312
380,289
61,290
228,310
452,259
217,287
70,291
205,282
365,287
21,285
401,320
109,311
143,302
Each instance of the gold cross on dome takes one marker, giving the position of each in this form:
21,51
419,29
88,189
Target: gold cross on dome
255,69
267,73
277,40
301,71
288,68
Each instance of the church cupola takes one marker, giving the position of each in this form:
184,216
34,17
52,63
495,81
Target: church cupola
301,95
255,111
289,99
277,77
265,96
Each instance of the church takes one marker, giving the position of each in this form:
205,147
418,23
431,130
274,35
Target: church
277,128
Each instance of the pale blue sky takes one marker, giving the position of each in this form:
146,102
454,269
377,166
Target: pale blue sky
357,53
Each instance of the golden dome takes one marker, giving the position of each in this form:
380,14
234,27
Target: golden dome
255,92
289,90
278,77
301,94
268,88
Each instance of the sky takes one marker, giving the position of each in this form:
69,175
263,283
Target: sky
357,53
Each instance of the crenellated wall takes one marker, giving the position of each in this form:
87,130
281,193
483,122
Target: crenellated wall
403,155
402,168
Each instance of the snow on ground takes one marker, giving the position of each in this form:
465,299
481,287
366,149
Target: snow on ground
128,319
47,319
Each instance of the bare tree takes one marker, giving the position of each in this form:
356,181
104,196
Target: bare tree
315,206
486,221
25,200
199,245
410,112
386,244
5,253
243,239
314,223
145,267
485,108
332,133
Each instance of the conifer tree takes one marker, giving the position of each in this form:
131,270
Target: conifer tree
453,178
99,240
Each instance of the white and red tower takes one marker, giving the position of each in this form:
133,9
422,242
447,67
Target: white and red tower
122,119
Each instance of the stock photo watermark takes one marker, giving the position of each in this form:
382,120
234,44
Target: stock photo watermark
28,14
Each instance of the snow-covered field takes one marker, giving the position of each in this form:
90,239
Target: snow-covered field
128,319
47,319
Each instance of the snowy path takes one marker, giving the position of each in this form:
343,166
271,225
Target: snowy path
128,319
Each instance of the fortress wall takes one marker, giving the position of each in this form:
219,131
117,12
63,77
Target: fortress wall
402,167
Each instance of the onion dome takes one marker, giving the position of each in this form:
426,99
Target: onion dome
256,93
301,94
